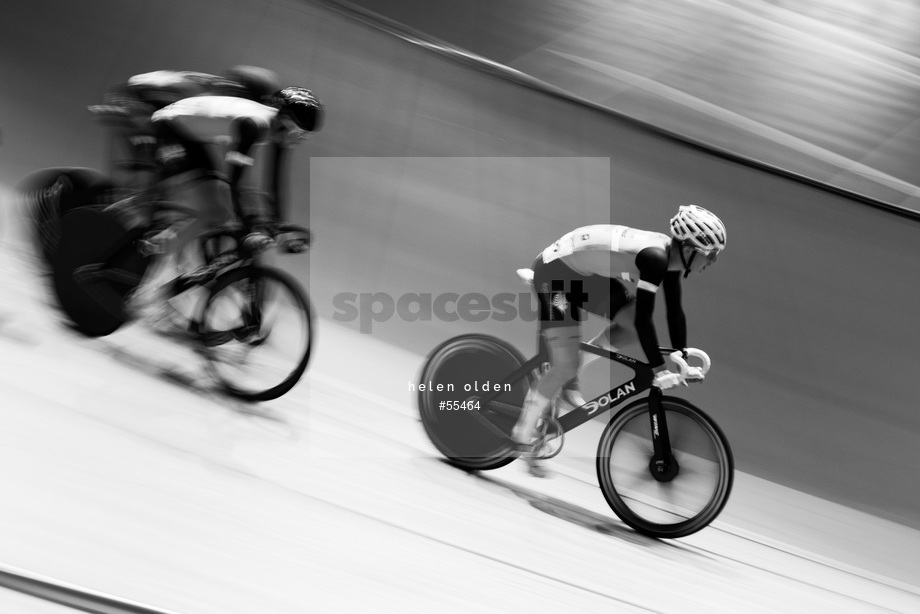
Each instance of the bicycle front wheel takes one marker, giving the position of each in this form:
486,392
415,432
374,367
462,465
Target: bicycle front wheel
257,330
470,434
686,501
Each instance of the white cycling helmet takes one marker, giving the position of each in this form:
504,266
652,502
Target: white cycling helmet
700,227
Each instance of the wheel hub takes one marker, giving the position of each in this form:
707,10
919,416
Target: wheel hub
664,471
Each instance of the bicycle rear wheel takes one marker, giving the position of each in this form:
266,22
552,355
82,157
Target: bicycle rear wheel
689,500
455,373
96,236
257,329
52,192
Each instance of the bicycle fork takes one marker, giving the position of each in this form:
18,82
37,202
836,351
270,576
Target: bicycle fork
663,465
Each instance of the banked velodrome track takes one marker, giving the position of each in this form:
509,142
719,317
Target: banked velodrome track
126,478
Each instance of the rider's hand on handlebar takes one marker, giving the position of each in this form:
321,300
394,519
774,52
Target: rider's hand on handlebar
688,373
694,374
666,379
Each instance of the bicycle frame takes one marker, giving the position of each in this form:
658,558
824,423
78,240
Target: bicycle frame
102,270
663,465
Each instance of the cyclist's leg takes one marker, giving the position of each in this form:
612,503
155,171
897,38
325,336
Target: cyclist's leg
610,299
262,203
619,307
207,201
562,344
191,179
257,214
622,330
187,179
570,397
560,318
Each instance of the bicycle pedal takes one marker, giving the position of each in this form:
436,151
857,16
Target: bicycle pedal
550,448
552,438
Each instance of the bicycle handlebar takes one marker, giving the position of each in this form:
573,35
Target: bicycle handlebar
678,359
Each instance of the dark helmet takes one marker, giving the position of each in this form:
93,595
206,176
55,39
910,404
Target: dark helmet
300,106
250,82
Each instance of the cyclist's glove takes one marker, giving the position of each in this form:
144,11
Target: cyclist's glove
666,379
694,374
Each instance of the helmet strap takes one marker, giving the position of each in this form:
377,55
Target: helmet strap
686,262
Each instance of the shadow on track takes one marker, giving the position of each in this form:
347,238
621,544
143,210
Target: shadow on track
195,380
590,520
566,511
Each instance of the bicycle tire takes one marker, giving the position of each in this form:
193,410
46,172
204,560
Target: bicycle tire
224,345
95,235
472,439
689,501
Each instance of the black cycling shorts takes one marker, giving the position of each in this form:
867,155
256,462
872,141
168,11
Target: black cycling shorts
563,294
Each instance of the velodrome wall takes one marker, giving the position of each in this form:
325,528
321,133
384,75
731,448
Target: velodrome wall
434,177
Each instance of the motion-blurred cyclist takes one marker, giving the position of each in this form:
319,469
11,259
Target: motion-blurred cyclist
127,109
207,145
588,270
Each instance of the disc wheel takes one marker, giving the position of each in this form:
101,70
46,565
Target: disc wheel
51,193
91,236
471,434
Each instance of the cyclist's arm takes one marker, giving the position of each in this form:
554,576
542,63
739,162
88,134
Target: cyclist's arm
246,132
677,322
653,264
276,187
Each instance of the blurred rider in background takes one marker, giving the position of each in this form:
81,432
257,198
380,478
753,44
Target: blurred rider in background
127,108
214,153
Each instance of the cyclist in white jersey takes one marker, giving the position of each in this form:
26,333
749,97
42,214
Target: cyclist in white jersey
127,109
208,147
615,272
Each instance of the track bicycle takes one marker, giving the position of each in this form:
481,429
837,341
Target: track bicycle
663,465
252,323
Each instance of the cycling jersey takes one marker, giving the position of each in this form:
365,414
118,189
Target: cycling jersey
163,87
141,95
620,253
215,119
239,131
126,109
613,251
